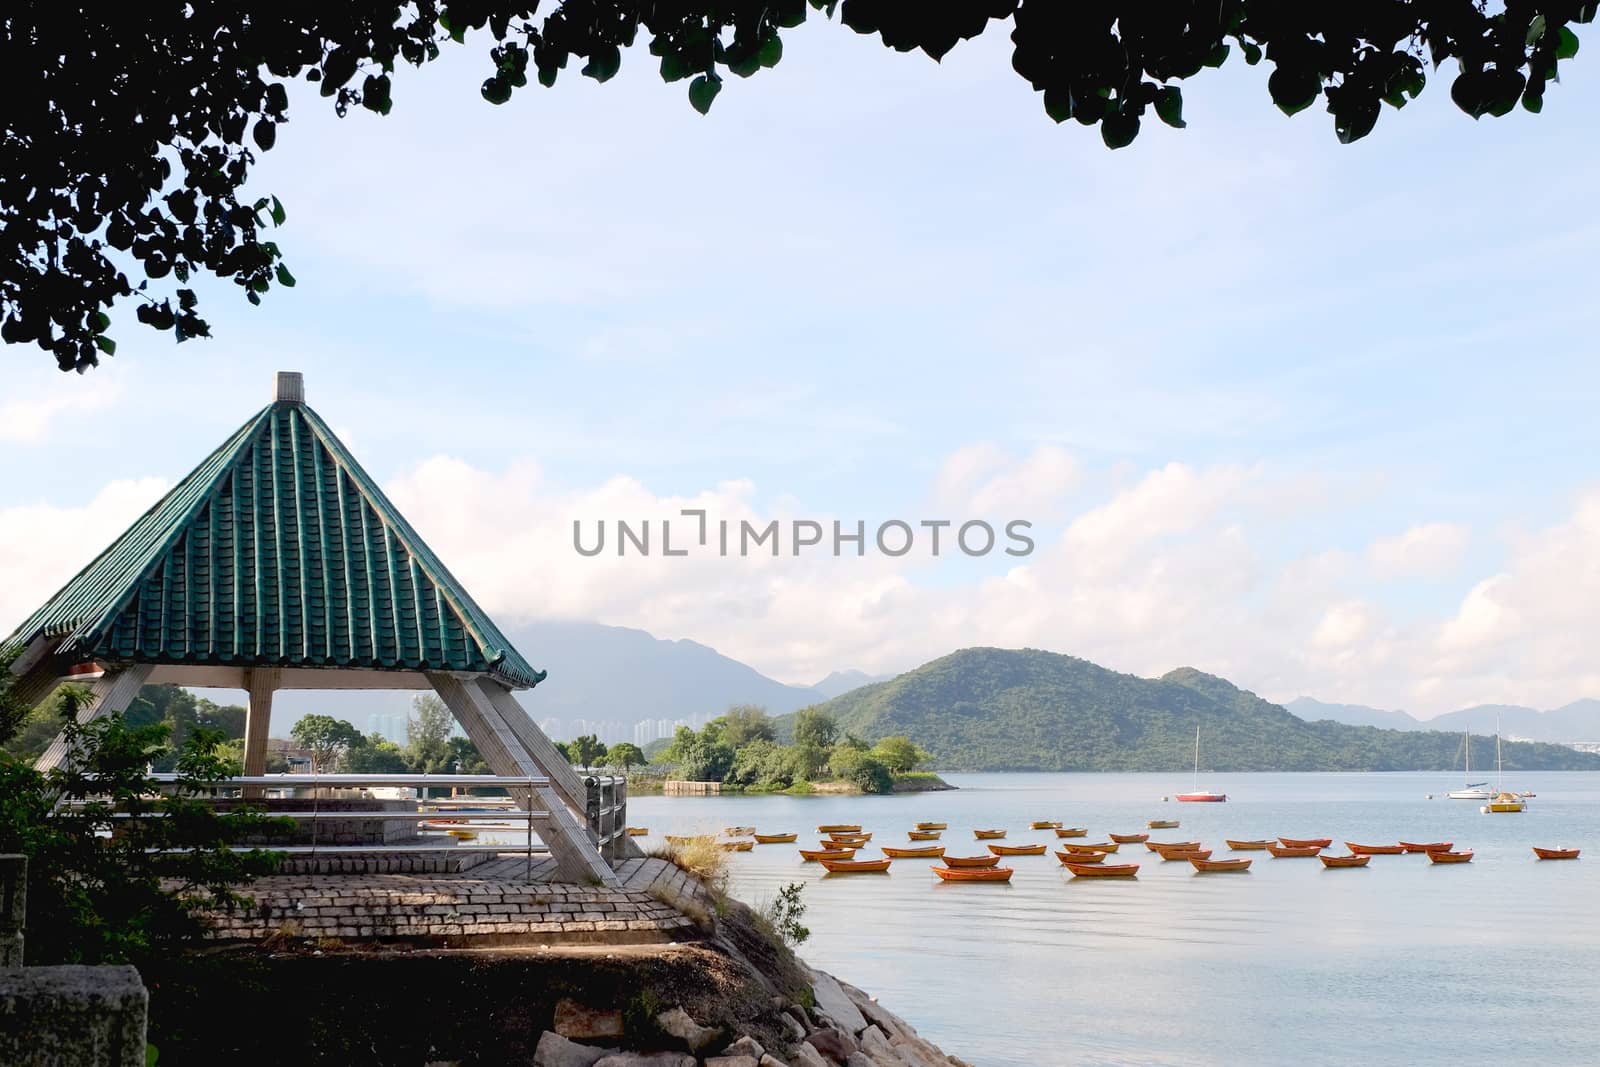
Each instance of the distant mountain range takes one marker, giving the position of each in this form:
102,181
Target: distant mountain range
597,673
990,709
1577,721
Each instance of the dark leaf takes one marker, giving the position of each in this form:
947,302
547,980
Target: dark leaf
1119,130
284,277
1293,90
1566,43
278,214
703,90
265,134
106,345
1169,106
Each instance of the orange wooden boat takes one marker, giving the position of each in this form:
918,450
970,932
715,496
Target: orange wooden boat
922,835
1352,860
1305,842
736,846
1374,850
1184,854
1129,839
1157,846
1072,831
1017,850
1042,825
775,839
638,831
988,835
1163,824
1431,846
971,861
1555,853
827,853
932,852
1102,846
679,839
1105,870
856,866
1443,856
1246,846
1069,858
839,828
1290,851
968,874
1208,866
850,837
933,826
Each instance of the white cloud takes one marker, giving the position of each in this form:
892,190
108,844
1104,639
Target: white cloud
984,480
1429,550
32,410
43,545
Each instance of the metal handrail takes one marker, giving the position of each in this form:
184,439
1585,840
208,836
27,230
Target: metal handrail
434,781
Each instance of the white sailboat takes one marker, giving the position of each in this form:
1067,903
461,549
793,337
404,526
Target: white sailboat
1502,801
1200,796
1473,790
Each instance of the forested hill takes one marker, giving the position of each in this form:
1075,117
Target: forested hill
990,709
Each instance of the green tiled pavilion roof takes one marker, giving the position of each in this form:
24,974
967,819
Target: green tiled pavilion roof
277,551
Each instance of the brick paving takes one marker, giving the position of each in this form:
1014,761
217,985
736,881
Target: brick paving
496,901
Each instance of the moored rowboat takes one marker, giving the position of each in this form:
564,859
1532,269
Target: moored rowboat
1205,866
922,835
679,839
1555,853
971,861
1102,846
1247,846
929,826
839,828
1042,825
1069,858
1305,842
1072,831
638,831
856,866
1442,856
1184,853
736,846
775,839
1107,870
738,831
988,835
1017,850
1129,839
1352,860
1374,850
1431,846
968,874
1157,846
1289,852
827,853
1163,824
929,853
840,836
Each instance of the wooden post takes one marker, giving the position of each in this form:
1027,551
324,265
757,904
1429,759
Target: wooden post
112,692
260,683
565,834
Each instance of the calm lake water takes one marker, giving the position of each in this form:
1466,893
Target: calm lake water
1400,962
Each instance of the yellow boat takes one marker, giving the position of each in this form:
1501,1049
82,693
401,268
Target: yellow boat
463,835
1504,802
1162,824
736,846
1045,825
988,835
839,828
687,840
1072,831
923,835
933,826
638,831
775,839
1102,846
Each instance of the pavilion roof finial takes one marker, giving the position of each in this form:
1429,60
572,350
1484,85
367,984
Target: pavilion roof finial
290,386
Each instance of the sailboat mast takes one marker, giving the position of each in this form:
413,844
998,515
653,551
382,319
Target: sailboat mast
1197,757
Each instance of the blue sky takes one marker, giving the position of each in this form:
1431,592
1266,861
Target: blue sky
1321,416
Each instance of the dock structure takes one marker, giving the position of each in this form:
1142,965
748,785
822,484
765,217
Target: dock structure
278,563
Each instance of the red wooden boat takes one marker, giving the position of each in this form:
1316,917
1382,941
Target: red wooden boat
1374,850
1069,858
1205,866
1017,850
1129,839
1345,861
1555,853
1288,852
1202,798
856,866
1306,842
1442,856
1431,846
1107,870
966,874
932,852
971,861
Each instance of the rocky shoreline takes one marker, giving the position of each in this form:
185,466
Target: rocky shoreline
844,1027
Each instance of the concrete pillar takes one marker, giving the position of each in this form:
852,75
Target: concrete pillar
112,692
564,833
261,684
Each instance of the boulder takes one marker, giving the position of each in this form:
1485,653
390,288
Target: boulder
732,1061
876,1046
836,1004
746,1046
678,1023
556,1051
807,1056
579,1020
832,1043
646,1059
769,1060
793,1025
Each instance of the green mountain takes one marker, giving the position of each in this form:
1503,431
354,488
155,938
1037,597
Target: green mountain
991,709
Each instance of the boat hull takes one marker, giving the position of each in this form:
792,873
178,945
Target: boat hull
988,835
1129,839
819,854
1374,850
1208,866
1305,842
736,846
1429,846
922,835
932,826
1288,852
839,828
1101,846
1249,846
1017,850
1044,826
1184,854
1157,846
638,831
1202,798
1162,824
1072,831
1451,857
971,874
775,839
1345,861
971,861
856,866
913,853
1069,858
1090,870
1555,853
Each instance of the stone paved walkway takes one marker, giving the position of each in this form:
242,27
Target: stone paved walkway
496,902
